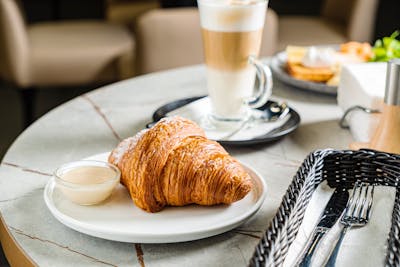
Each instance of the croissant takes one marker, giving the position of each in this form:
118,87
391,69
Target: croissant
174,164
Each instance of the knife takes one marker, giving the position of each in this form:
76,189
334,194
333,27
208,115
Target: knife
333,211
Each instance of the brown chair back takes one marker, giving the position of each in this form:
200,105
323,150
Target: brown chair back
168,38
14,44
357,15
338,10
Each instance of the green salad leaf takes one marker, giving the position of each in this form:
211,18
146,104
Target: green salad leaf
386,48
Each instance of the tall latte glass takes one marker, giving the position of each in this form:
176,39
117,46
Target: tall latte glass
232,33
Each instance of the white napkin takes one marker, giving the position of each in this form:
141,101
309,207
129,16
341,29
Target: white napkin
364,246
363,85
198,111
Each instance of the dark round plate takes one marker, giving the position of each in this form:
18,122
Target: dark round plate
273,135
278,67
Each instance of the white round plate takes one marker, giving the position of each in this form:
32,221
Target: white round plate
119,219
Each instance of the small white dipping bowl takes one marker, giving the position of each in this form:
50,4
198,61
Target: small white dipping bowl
94,189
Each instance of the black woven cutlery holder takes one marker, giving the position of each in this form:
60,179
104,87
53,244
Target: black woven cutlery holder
339,168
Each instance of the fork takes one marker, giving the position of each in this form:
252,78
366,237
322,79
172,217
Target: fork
357,213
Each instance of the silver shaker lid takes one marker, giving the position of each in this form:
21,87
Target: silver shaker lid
392,92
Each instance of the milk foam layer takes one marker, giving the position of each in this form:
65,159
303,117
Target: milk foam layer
229,16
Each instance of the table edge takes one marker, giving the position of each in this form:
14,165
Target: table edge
14,253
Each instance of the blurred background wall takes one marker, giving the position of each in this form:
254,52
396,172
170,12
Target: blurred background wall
45,10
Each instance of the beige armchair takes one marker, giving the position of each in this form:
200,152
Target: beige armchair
169,38
56,54
340,21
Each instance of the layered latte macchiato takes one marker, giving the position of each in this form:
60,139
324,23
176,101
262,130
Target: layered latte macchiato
232,32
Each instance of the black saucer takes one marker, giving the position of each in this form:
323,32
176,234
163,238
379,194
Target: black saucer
271,136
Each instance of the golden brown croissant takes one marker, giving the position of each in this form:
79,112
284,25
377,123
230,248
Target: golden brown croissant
173,163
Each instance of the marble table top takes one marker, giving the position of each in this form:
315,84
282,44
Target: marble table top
95,122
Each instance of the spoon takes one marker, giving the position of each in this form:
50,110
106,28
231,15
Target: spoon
274,112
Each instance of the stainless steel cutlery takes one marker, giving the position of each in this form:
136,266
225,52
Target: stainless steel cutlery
353,212
330,215
356,214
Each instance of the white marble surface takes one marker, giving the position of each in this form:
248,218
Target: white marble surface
95,122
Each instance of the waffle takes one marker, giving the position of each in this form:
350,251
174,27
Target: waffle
296,69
